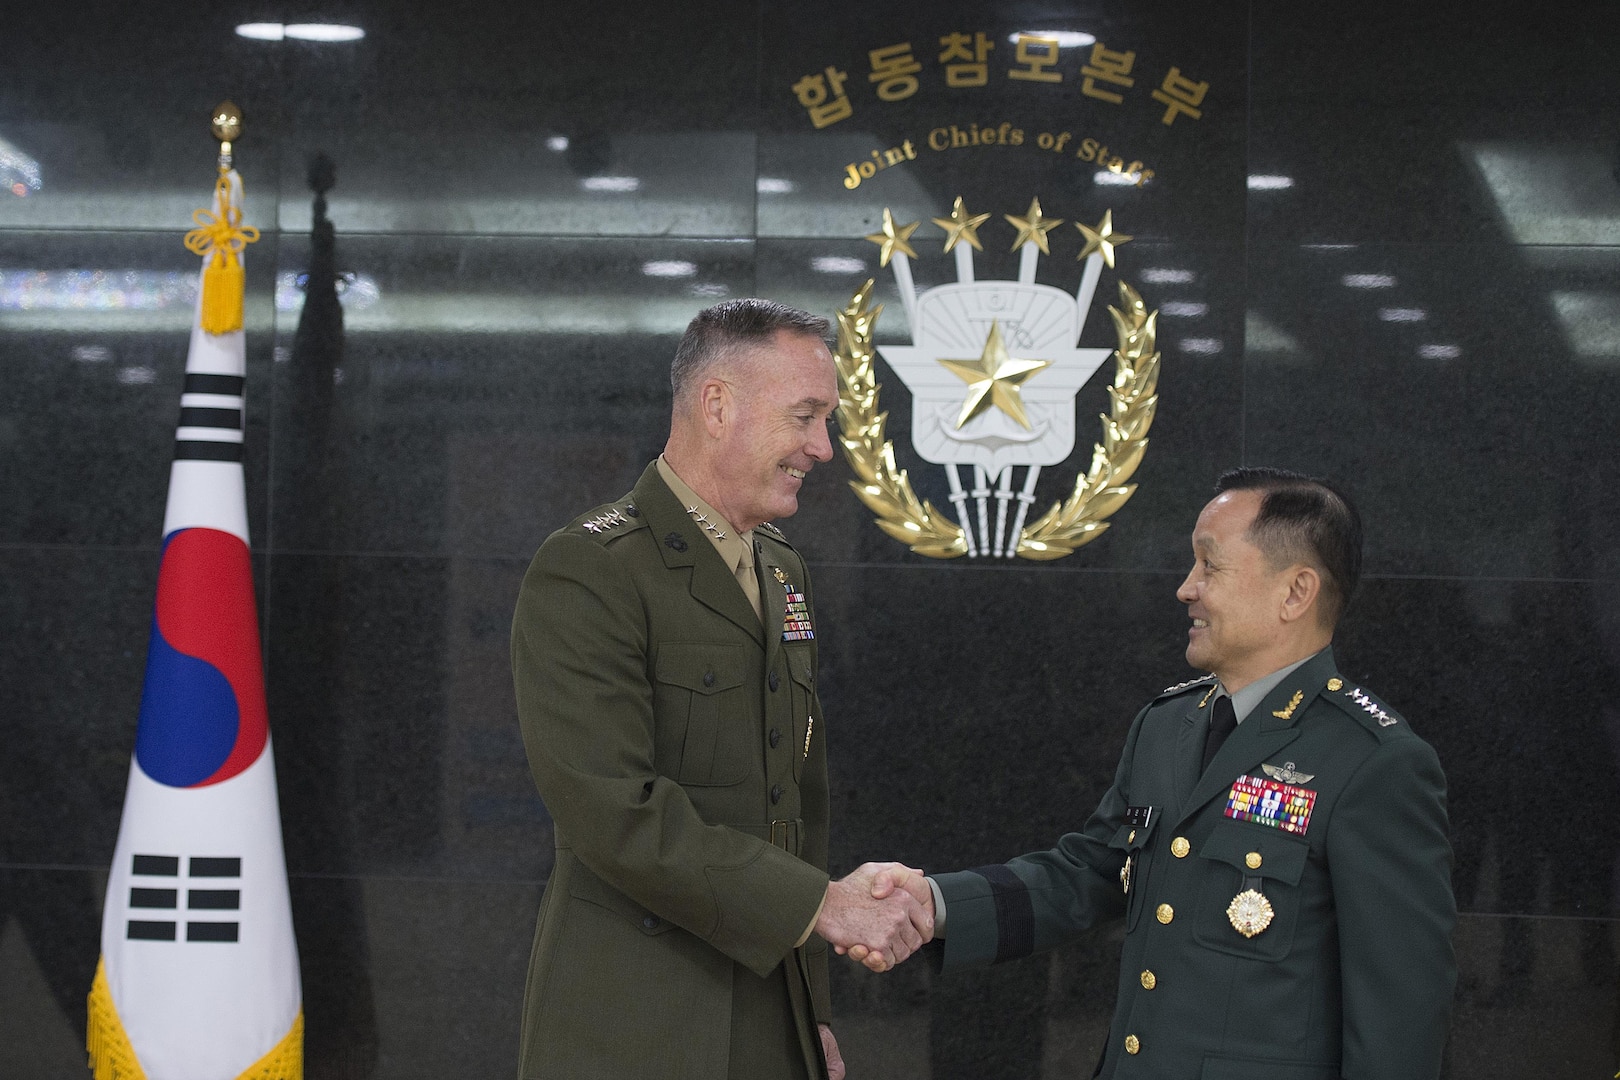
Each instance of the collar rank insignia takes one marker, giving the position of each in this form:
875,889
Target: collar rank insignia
703,520
1287,711
1287,774
1271,802
1383,718
796,614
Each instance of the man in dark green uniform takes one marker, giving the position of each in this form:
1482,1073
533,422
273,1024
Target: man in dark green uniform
664,655
1275,838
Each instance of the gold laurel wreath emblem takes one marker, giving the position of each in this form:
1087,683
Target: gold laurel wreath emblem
1076,521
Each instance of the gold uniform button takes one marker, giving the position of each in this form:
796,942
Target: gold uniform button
1165,913
1179,847
1149,980
1335,685
1133,1045
1131,839
1252,860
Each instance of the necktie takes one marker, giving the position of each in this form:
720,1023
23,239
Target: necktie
1222,722
749,581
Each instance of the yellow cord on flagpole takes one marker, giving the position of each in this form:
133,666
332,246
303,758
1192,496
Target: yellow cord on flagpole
111,1056
220,238
285,1061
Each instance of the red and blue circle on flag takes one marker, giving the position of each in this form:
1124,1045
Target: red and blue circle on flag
203,717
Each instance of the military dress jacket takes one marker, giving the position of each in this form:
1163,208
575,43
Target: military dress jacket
672,741
1324,803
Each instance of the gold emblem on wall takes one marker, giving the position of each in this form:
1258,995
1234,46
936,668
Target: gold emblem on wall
993,369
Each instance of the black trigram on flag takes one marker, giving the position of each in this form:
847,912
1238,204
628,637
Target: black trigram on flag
159,891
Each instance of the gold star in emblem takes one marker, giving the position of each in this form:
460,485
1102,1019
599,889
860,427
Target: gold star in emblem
1033,227
995,379
1103,238
893,238
961,226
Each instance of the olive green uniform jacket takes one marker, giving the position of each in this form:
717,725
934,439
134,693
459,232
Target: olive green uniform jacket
667,732
1354,975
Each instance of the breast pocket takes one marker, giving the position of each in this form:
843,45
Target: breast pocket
1240,858
700,711
1133,843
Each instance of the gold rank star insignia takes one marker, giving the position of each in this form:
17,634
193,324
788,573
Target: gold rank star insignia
995,379
1103,238
961,226
893,238
1032,227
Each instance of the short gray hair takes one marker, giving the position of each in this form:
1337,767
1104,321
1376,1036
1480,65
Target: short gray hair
718,330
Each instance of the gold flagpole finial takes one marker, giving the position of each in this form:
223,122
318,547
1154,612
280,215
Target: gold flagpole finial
220,235
227,127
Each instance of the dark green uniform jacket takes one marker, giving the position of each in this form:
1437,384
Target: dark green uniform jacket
1354,974
672,742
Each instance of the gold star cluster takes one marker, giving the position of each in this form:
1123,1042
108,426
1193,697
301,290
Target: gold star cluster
963,227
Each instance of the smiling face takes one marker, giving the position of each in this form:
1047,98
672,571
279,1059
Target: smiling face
767,421
1239,603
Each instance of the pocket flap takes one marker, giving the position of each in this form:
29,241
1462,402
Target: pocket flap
586,886
699,667
798,661
1258,851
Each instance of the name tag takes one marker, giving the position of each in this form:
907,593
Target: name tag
1140,817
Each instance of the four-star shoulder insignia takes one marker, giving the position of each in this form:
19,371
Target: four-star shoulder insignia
1373,708
1188,685
1355,695
772,530
605,521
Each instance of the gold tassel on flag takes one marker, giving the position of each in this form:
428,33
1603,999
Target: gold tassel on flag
220,237
285,1061
111,1056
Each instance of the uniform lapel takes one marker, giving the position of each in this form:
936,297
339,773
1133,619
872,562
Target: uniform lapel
1272,725
1190,740
682,544
772,597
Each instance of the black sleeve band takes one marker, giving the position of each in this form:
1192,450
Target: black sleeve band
1015,914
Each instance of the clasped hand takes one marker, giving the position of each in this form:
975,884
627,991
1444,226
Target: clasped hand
878,915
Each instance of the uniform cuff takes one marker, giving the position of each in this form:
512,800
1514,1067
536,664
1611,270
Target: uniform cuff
939,907
804,937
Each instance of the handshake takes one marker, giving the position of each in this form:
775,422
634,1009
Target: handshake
878,915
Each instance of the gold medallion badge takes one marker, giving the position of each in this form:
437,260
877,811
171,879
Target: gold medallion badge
1250,912
1012,347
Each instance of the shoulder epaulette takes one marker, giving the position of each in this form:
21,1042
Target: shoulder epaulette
1169,691
610,520
1363,707
773,531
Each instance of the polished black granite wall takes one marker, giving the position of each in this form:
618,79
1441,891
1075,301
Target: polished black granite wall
1428,310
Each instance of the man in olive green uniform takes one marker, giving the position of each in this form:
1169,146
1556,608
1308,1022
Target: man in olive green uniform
664,655
1275,838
